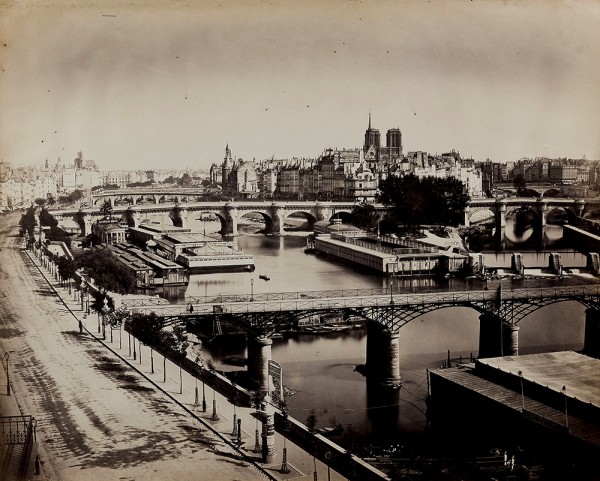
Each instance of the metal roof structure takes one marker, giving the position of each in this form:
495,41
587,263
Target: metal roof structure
578,374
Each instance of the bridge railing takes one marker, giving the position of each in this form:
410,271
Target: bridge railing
396,289
243,305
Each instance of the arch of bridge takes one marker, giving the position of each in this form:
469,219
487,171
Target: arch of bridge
539,206
390,317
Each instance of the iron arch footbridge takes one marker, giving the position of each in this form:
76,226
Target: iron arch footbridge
502,306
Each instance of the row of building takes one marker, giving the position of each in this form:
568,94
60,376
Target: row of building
21,186
353,173
348,173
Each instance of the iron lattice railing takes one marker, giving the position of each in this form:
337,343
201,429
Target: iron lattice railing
391,309
505,285
16,429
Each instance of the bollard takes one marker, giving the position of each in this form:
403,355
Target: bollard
234,432
215,416
257,448
80,327
284,466
239,432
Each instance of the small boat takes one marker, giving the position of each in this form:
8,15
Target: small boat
264,277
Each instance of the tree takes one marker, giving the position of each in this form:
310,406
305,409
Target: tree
66,268
186,179
365,216
429,200
40,201
108,273
106,210
76,195
148,329
27,223
519,183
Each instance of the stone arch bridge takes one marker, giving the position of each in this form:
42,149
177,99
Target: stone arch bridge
228,213
540,207
143,196
502,307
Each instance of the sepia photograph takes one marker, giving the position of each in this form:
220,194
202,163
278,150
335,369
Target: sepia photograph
310,240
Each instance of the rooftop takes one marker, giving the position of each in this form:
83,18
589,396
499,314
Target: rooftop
577,372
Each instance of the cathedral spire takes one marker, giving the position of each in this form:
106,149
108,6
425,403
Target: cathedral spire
369,119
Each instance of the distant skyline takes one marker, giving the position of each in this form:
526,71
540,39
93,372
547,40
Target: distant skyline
168,85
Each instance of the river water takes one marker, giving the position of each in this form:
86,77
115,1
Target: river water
320,368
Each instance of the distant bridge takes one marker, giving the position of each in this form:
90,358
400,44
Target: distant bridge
229,213
540,207
502,307
144,195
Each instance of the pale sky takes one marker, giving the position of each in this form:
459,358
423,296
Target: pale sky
169,85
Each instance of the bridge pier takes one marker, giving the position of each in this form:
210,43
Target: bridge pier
85,223
259,355
134,218
497,337
511,339
231,221
489,335
383,355
591,341
179,216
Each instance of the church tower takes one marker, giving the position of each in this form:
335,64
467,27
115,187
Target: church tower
372,138
226,169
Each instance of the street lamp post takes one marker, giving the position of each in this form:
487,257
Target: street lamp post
105,310
522,393
387,266
564,391
7,358
83,289
251,289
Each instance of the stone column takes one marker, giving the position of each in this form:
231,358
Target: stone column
467,212
383,355
87,225
259,355
591,342
511,339
268,432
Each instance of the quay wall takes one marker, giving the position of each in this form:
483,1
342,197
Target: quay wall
327,451
534,260
589,241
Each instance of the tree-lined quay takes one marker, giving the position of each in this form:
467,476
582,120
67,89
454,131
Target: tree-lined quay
171,344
